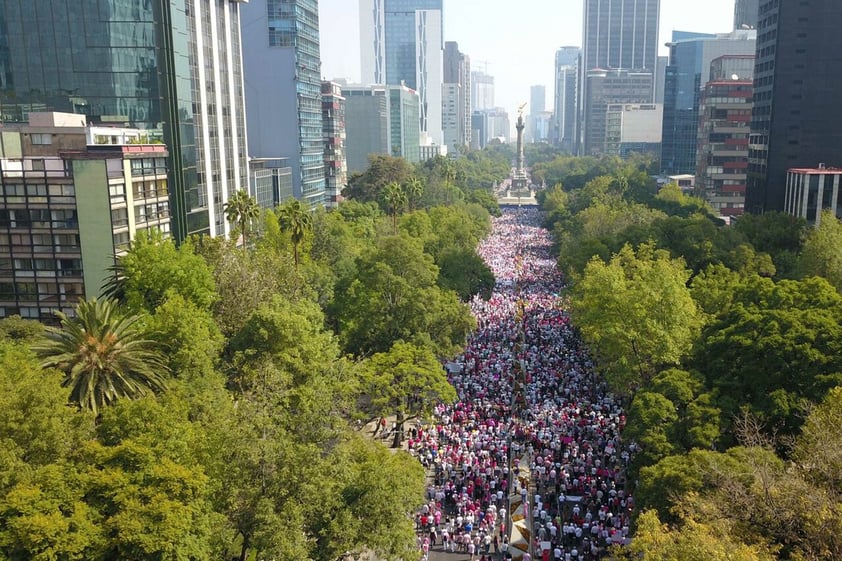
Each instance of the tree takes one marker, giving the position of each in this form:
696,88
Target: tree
16,328
395,200
242,210
637,312
414,189
406,381
822,252
382,170
105,355
464,272
153,268
294,218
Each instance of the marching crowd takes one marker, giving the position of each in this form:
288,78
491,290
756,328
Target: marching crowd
528,398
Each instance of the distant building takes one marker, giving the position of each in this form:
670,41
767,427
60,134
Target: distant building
380,120
71,198
687,73
283,89
660,78
566,103
430,151
797,114
745,14
724,126
621,34
456,98
482,91
537,105
809,191
607,88
633,128
542,126
333,129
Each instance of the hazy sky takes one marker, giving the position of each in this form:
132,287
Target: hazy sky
517,38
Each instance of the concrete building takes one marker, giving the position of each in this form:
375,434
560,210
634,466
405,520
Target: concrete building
71,198
745,14
796,116
631,128
333,132
482,91
151,65
283,89
456,98
724,125
607,88
687,73
402,43
566,100
809,191
380,120
542,126
660,78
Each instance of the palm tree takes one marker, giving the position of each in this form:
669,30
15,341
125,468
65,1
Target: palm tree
242,209
104,355
414,189
395,199
295,218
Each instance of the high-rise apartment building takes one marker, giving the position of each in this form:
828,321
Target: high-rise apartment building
745,14
456,98
282,70
172,68
71,198
566,102
724,124
482,91
687,73
333,123
402,43
796,116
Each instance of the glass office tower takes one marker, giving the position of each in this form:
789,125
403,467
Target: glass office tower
172,67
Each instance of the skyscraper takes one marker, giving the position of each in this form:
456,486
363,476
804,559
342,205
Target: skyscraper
283,89
687,73
456,98
537,105
797,114
745,14
566,104
620,34
170,67
402,43
617,35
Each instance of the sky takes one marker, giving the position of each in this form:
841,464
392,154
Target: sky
515,40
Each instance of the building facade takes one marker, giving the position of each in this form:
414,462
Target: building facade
271,181
633,128
537,105
620,34
333,122
373,41
687,73
796,113
171,67
72,197
724,125
380,120
809,191
283,89
566,100
607,88
745,14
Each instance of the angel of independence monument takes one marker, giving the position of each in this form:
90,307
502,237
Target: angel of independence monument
520,187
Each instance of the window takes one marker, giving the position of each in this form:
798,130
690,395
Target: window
41,139
119,218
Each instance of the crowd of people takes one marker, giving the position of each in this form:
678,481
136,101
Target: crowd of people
527,398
